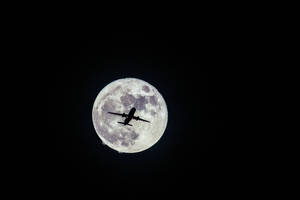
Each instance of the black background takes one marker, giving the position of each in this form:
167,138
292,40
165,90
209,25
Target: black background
188,68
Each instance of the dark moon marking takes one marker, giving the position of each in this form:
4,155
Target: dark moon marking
106,116
132,142
134,136
153,100
153,113
146,88
124,143
140,103
112,138
109,106
127,99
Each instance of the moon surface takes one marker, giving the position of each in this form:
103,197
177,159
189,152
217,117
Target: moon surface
120,96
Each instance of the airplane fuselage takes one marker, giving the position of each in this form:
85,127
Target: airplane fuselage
130,116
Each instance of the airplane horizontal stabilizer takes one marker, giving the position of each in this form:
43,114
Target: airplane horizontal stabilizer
124,123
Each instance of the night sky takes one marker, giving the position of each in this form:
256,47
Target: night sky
184,67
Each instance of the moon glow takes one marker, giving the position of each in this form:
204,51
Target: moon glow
120,96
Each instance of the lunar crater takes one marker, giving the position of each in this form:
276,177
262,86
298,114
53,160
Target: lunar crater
146,88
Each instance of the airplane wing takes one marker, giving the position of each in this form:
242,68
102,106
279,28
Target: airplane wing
123,115
138,118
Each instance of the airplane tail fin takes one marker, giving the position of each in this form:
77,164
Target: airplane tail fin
124,123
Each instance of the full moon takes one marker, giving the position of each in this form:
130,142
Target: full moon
120,96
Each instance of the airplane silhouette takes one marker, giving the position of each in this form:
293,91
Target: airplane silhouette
128,117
